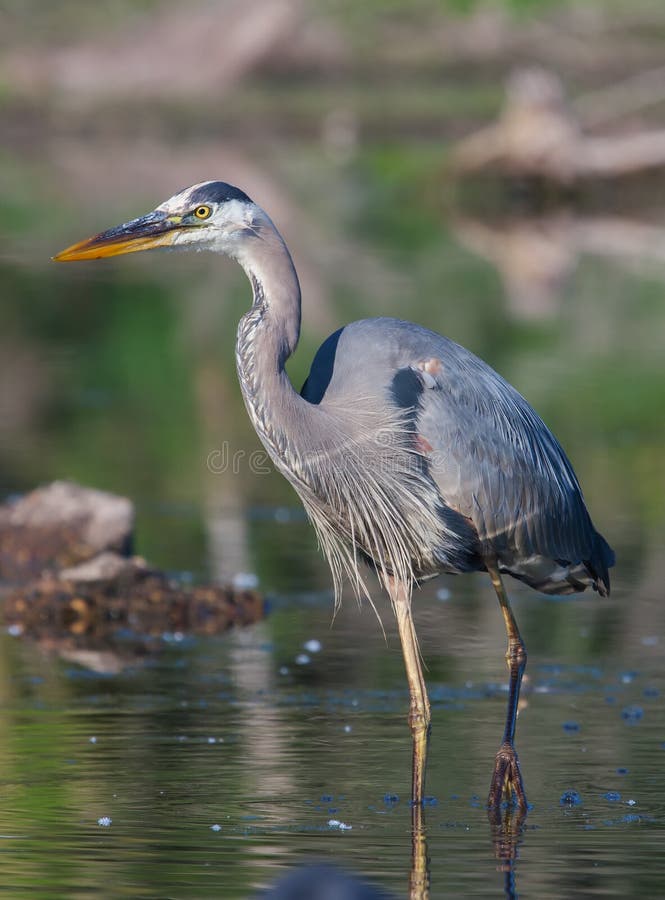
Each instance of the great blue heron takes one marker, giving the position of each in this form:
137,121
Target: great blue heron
407,450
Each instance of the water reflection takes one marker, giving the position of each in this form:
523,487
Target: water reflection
233,731
322,882
506,822
507,830
537,256
171,685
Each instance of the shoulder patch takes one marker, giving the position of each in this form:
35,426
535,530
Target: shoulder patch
428,370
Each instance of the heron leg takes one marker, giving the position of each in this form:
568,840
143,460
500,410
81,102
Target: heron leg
419,710
507,778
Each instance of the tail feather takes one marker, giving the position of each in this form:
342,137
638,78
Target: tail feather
562,576
602,559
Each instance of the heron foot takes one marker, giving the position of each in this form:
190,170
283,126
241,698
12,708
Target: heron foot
507,779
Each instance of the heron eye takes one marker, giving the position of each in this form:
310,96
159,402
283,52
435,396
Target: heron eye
202,212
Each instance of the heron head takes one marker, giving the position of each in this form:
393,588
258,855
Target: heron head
212,215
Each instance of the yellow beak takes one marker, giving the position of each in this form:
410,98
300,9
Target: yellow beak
157,229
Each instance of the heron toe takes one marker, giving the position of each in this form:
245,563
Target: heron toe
507,779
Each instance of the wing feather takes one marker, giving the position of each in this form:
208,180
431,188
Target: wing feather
497,463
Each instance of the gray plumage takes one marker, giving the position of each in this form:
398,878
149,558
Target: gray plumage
501,482
406,449
416,471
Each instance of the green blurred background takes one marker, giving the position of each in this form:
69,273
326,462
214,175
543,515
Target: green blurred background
342,120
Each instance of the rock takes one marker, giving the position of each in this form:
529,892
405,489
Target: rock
60,525
95,600
73,588
107,566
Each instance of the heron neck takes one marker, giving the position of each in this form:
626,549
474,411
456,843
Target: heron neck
267,335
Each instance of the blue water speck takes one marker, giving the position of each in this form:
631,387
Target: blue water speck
312,646
622,771
570,798
632,714
326,798
430,801
215,827
571,726
173,637
651,692
391,799
105,821
612,796
302,659
631,817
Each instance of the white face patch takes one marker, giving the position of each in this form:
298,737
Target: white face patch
232,216
229,219
182,202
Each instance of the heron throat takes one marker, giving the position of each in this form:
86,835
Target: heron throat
267,336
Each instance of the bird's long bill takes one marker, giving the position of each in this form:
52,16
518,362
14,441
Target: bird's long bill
157,229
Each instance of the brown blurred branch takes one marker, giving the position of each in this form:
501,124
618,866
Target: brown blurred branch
184,51
538,135
624,98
